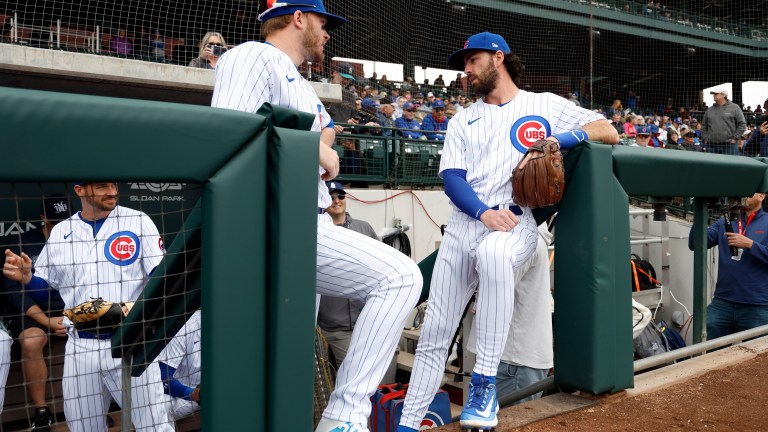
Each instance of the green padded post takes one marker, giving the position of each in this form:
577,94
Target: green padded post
234,275
699,270
427,266
292,269
593,329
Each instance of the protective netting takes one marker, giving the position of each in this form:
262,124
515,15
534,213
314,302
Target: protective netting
60,370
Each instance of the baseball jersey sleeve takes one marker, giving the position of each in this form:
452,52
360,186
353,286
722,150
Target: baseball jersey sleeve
571,116
174,352
152,243
45,271
453,149
244,78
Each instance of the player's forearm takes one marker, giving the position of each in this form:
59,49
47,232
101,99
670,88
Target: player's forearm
601,130
328,136
38,315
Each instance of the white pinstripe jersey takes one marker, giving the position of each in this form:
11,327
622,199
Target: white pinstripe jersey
183,352
488,141
253,73
114,264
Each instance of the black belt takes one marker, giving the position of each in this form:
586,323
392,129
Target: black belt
515,209
89,335
320,210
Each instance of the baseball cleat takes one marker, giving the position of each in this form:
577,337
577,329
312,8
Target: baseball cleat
482,406
327,425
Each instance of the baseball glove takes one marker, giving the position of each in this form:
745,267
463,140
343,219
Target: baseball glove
542,181
97,314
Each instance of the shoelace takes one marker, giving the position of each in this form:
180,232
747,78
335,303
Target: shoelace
478,395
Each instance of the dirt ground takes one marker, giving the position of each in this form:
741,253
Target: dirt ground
730,399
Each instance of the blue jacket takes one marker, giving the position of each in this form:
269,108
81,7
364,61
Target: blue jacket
32,243
402,123
757,144
430,124
744,281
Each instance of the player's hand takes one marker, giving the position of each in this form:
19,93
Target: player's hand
530,155
338,128
17,268
329,160
499,220
764,128
739,241
56,325
195,396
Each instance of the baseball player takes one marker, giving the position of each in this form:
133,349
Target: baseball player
489,238
5,361
39,312
180,363
105,251
349,264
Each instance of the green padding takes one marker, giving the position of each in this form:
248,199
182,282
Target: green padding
593,332
156,141
427,266
170,297
643,171
234,278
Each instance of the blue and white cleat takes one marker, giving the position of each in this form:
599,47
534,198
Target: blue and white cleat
481,407
328,425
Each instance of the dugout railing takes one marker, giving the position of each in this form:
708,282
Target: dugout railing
258,230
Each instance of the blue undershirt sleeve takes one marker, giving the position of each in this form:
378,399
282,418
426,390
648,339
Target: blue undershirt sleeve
461,194
172,386
37,283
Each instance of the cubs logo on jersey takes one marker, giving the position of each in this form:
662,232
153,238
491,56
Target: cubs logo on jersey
122,248
527,130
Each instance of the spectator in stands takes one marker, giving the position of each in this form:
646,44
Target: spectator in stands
408,84
673,141
436,121
337,316
384,82
615,109
366,116
689,141
212,46
407,121
439,81
180,367
394,93
617,124
456,86
121,44
399,103
758,109
757,142
141,44
632,100
574,98
386,116
740,301
643,136
656,140
629,127
346,110
723,124
39,312
430,100
373,81
157,47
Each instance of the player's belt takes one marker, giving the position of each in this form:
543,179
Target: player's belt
89,335
320,210
515,209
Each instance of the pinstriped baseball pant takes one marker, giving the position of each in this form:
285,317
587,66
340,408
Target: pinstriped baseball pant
470,254
91,376
352,265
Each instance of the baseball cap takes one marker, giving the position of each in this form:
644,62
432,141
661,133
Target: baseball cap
643,130
689,133
408,105
430,94
654,129
721,90
334,186
56,208
287,7
438,103
482,41
346,70
368,102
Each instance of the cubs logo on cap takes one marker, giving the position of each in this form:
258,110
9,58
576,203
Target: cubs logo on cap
122,248
527,130
482,41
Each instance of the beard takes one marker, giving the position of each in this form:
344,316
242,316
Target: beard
486,80
313,44
99,205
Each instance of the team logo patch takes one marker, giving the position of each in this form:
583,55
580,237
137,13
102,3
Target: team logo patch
527,131
122,248
160,244
431,421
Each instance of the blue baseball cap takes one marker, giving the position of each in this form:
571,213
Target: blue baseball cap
482,41
438,103
334,186
654,129
408,105
643,130
287,7
368,103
